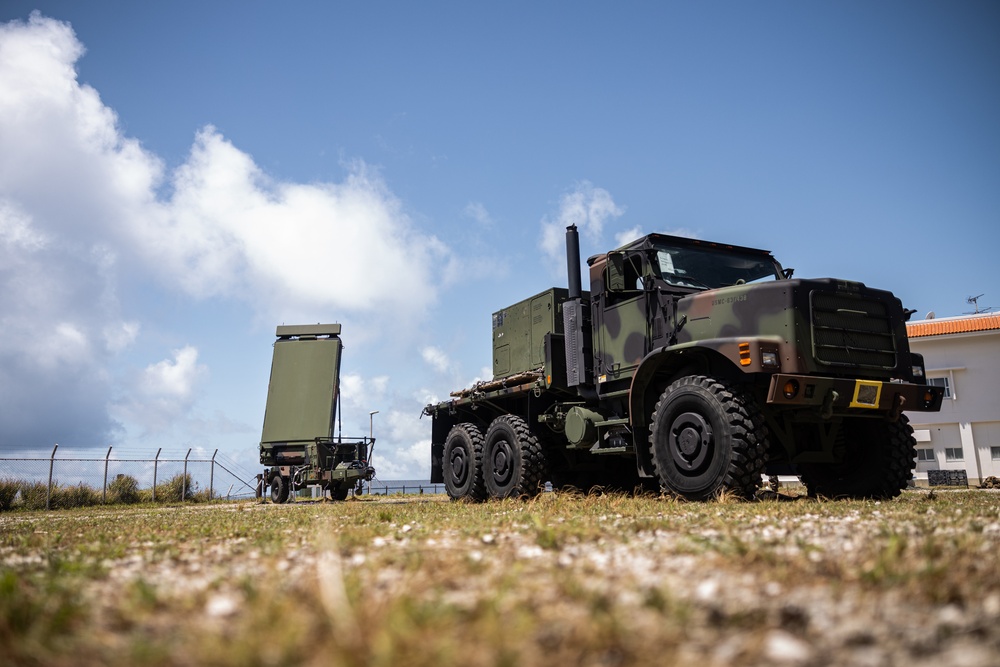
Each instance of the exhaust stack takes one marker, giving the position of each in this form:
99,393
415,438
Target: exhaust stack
573,262
576,318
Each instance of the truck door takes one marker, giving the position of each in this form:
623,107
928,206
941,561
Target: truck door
621,326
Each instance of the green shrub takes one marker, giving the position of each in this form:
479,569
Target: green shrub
80,495
8,491
124,489
173,488
33,494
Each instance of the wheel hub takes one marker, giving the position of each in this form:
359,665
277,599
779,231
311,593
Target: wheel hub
502,462
690,441
458,465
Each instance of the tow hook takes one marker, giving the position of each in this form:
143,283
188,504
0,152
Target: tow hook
897,408
826,411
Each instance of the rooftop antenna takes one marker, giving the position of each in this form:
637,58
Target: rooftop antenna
974,302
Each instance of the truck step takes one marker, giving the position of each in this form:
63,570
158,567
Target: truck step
612,450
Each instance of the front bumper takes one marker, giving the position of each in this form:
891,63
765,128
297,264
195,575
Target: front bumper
842,395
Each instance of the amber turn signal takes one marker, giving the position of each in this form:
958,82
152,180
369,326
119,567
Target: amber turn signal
791,389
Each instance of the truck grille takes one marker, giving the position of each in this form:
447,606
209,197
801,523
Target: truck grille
851,331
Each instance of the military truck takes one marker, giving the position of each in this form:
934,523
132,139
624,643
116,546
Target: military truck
297,442
693,368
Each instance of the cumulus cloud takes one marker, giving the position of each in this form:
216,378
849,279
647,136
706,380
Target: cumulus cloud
410,454
437,359
627,236
161,395
360,395
586,206
232,231
84,209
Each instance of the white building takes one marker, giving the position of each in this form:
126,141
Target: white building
962,354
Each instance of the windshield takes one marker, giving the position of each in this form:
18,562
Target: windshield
703,268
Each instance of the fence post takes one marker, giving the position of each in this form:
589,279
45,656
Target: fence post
104,493
211,476
184,479
156,463
48,491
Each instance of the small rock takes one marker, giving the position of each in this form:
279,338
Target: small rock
783,647
707,589
220,606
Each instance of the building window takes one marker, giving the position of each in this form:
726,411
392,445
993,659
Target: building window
941,382
953,454
925,454
995,453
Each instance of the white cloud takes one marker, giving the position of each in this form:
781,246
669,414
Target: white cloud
437,359
359,396
587,207
120,335
173,378
161,396
406,450
623,237
83,209
683,231
230,230
16,230
477,211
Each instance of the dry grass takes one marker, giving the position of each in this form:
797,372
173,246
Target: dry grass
562,579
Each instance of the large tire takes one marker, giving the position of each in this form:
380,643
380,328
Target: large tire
339,491
462,467
279,489
513,461
879,457
706,438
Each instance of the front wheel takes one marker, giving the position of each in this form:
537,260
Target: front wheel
705,438
878,461
279,489
513,461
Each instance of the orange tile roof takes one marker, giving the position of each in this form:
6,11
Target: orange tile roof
953,325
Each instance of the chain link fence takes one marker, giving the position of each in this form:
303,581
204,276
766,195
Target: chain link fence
70,479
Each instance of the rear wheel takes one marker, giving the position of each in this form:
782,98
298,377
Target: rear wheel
878,461
513,461
705,440
279,489
463,463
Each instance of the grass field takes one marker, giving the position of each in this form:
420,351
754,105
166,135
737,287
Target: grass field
561,580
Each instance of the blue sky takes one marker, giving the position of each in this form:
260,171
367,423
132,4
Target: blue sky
178,178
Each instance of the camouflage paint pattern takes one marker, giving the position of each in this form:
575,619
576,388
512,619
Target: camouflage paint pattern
845,345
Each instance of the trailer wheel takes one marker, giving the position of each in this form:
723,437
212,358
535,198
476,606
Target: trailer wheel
339,491
513,461
463,463
704,440
279,489
878,461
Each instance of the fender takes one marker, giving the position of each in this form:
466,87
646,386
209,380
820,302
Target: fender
708,357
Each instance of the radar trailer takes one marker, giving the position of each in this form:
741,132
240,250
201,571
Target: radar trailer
298,443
